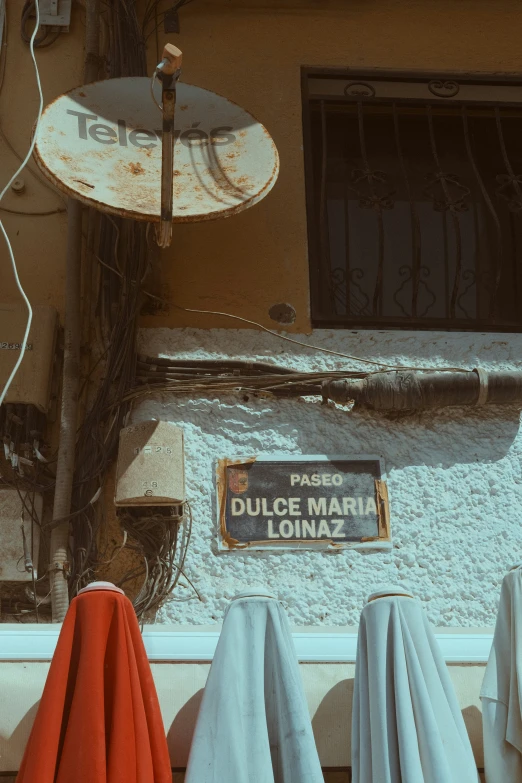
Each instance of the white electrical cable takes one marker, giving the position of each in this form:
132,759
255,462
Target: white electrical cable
2,194
158,68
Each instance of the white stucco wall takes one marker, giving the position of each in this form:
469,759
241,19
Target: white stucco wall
454,477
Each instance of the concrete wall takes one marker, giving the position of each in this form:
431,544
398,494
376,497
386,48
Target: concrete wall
454,478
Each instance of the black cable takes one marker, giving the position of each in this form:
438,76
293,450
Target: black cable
118,248
155,538
119,244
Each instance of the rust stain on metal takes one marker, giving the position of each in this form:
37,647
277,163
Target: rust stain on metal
383,509
85,184
219,193
136,168
149,216
222,484
308,543
391,595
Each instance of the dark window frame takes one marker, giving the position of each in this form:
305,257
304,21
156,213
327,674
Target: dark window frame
313,82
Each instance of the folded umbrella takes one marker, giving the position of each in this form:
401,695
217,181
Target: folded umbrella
501,692
253,725
99,719
407,726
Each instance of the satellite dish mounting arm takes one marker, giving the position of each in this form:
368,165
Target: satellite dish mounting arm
168,72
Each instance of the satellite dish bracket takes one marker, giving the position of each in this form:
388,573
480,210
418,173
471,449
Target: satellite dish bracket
168,72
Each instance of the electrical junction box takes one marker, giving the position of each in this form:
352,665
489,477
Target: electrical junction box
15,515
32,383
150,469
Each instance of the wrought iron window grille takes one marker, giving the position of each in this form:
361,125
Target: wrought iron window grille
414,199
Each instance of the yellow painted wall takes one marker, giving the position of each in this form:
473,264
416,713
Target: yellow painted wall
251,51
38,242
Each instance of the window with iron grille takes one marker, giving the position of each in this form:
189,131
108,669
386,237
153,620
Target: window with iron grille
414,194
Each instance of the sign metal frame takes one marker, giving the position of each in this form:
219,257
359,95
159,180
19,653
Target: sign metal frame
226,543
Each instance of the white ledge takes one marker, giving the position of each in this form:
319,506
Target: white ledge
32,642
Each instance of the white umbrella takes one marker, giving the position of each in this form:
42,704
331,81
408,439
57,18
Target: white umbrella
501,692
407,726
253,725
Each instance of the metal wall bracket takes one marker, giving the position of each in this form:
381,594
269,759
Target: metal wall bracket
56,14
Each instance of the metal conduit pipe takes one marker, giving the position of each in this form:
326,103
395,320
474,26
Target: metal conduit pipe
410,390
58,567
68,416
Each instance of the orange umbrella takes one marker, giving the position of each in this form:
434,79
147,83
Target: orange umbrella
99,719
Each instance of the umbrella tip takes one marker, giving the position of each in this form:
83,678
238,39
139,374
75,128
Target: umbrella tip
254,592
101,586
393,591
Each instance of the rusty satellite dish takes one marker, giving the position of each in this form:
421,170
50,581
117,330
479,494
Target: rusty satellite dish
102,144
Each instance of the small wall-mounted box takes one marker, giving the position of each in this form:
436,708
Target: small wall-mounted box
150,469
12,518
32,383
